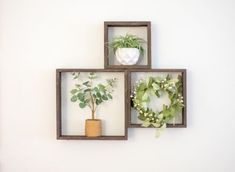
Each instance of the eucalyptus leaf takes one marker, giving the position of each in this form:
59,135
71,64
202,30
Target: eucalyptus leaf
73,91
74,98
101,87
87,83
81,96
110,96
96,89
104,97
82,105
98,94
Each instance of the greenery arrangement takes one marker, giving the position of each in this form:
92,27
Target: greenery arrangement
127,41
90,95
156,86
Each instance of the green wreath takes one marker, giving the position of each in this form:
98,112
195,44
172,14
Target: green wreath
140,98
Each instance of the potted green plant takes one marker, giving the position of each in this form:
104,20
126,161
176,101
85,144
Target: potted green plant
91,95
127,49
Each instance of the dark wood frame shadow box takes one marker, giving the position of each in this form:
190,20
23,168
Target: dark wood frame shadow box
131,72
63,109
142,27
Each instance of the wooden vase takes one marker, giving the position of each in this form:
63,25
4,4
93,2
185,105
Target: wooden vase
93,128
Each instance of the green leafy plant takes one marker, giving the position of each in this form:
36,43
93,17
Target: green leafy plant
89,95
140,98
127,41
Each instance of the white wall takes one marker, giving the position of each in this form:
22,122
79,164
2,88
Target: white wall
38,36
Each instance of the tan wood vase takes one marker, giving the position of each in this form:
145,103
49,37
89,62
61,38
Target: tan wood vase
93,128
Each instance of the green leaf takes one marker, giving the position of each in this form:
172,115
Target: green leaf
92,75
146,123
140,94
87,83
96,89
104,97
155,86
78,85
86,90
158,79
164,107
98,101
168,77
157,94
74,98
110,96
160,116
145,97
142,87
101,87
81,96
150,81
73,91
98,94
82,105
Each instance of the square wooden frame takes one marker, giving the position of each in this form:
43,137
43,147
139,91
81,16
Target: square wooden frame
184,111
108,24
60,136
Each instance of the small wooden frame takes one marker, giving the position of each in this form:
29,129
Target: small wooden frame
115,28
131,72
63,77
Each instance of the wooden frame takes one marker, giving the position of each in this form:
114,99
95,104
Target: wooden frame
109,24
60,136
184,111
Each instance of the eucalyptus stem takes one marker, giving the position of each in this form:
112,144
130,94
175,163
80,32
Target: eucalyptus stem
92,102
92,106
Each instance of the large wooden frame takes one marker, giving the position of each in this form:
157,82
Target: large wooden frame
111,24
60,136
184,111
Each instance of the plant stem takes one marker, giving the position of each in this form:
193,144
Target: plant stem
92,103
92,106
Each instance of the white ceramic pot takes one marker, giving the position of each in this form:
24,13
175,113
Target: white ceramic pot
127,56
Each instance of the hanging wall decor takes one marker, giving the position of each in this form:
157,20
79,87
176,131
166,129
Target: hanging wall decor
127,45
100,104
91,104
157,98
